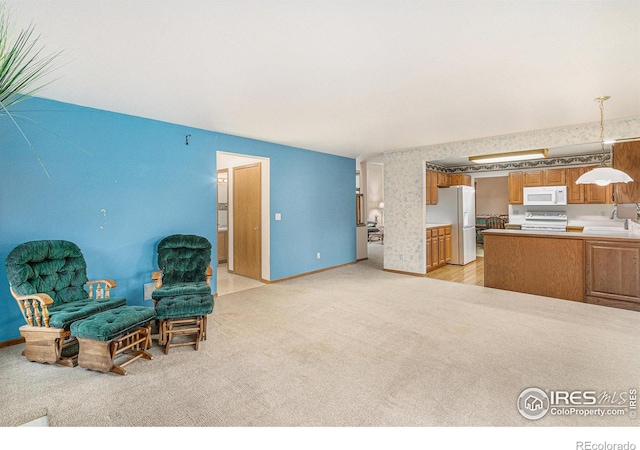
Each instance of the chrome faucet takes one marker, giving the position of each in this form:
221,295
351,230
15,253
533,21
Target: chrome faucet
613,215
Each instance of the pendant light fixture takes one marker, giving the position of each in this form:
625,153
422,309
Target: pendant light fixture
603,175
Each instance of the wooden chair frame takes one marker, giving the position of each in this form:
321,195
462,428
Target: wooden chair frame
495,222
189,326
43,343
167,328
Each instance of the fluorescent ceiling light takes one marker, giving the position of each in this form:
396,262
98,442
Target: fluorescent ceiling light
506,157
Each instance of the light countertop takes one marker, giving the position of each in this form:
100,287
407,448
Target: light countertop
614,233
437,225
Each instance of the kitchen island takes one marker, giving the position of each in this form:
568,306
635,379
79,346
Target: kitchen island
599,267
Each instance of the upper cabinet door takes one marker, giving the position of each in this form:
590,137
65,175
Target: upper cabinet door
626,157
460,179
575,192
598,194
515,188
554,177
431,188
443,179
533,178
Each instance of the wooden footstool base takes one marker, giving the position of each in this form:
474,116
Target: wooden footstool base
47,345
189,326
183,315
105,336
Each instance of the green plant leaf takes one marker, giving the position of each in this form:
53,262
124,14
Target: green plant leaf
22,68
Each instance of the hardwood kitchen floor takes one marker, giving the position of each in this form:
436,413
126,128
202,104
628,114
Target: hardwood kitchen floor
472,273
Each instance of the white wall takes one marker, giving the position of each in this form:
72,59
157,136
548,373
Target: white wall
492,195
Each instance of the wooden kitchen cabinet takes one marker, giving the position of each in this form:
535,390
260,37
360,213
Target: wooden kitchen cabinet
575,192
516,195
626,157
460,179
434,249
444,179
442,252
598,270
223,247
597,194
612,272
585,193
534,264
547,177
429,258
431,187
438,241
533,178
447,244
554,177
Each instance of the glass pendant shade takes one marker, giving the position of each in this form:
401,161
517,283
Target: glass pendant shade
602,176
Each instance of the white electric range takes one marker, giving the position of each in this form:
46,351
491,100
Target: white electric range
545,221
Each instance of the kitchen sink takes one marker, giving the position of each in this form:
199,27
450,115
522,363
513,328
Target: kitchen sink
612,230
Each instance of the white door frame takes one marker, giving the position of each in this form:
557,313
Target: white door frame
227,160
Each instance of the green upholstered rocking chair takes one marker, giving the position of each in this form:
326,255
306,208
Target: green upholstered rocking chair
48,280
182,297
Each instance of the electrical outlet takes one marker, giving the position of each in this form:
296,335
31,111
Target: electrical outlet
148,289
318,255
401,257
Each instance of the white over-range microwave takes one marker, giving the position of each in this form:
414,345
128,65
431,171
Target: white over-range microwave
545,195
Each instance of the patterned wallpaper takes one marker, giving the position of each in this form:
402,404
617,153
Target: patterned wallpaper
404,180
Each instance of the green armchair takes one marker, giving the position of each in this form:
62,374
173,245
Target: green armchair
48,280
182,297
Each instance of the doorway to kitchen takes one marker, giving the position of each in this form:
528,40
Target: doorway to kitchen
243,263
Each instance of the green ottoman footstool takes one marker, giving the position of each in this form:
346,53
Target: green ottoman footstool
183,315
108,334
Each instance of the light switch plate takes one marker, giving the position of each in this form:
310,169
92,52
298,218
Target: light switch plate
278,216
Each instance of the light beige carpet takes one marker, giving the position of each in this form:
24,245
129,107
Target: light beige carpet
353,346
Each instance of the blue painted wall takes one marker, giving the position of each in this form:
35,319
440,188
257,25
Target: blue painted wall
140,183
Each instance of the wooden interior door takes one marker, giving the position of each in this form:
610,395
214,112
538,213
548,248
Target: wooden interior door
247,226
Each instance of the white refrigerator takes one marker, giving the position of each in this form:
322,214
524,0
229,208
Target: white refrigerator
457,206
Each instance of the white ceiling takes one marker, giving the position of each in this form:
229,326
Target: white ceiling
354,78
